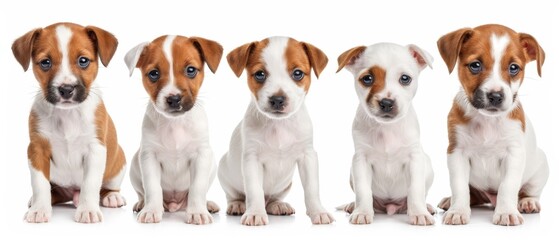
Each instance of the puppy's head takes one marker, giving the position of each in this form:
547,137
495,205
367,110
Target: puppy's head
64,58
385,77
173,70
491,61
278,72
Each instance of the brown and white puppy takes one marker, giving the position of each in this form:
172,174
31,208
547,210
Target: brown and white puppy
73,153
492,153
275,134
174,166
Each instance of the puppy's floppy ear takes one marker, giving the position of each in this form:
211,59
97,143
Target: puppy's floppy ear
22,47
450,45
210,51
238,58
532,50
316,57
132,57
104,42
348,57
422,57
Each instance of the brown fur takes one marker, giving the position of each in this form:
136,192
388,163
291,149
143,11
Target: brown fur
348,57
455,117
379,76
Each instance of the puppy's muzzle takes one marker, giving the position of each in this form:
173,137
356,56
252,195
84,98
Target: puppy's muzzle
386,105
174,102
66,91
491,101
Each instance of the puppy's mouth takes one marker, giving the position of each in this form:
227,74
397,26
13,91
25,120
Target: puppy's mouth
66,96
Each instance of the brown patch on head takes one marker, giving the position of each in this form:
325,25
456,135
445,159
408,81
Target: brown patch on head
348,57
469,45
296,58
39,150
41,44
248,56
518,114
379,81
106,134
456,117
153,58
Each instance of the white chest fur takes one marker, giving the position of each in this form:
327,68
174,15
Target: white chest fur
71,134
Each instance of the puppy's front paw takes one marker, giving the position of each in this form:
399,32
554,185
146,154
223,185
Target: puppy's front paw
38,214
321,217
254,219
113,200
88,214
198,218
236,208
422,219
361,217
279,208
508,219
150,215
457,216
529,205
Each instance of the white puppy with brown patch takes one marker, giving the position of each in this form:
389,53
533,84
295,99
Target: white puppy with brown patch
390,172
275,134
492,153
73,151
174,166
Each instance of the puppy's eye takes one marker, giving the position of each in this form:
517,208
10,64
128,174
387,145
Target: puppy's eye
83,62
45,64
514,69
367,80
475,67
405,80
260,76
190,72
297,75
153,75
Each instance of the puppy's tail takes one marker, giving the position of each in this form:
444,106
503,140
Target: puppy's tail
348,208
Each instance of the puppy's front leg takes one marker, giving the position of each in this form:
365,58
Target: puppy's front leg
308,171
362,179
255,214
459,172
200,171
417,207
93,168
506,211
150,170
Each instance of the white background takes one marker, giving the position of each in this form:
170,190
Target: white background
333,26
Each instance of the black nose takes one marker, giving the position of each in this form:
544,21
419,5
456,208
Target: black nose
66,91
386,105
174,101
495,98
277,102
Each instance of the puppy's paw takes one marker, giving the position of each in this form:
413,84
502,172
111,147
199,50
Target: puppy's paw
508,219
321,217
457,216
150,215
444,203
422,219
38,214
279,208
236,208
198,218
529,205
348,208
361,217
88,214
212,207
254,219
113,200
138,206
431,209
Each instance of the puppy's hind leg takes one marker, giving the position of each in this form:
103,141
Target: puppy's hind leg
110,192
276,207
529,197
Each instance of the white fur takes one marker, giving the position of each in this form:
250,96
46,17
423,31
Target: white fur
389,162
174,157
131,58
493,153
264,149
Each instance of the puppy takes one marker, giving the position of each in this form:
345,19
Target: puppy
73,151
492,152
275,134
174,166
390,172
